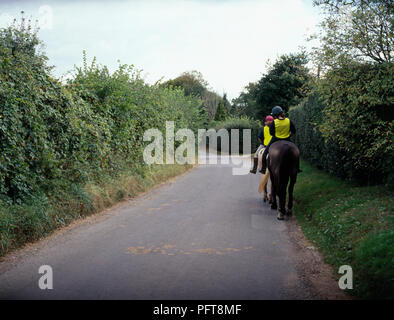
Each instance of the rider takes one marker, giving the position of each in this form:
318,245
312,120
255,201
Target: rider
264,139
280,129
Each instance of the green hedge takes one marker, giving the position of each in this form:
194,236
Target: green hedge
346,126
239,123
54,135
325,155
56,138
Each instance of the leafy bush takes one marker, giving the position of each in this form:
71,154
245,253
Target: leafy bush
56,138
324,154
359,117
346,126
285,84
46,132
130,107
240,124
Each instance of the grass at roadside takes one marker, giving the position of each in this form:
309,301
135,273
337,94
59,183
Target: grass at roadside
41,215
351,225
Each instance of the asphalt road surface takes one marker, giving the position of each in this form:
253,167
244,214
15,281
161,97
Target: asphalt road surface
204,235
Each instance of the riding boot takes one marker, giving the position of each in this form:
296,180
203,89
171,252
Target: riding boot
263,167
264,161
255,163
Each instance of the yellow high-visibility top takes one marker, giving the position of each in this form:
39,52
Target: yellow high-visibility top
282,128
267,135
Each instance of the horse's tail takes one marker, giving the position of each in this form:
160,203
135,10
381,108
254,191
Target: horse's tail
291,159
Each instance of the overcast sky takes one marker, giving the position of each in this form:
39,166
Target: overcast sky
228,41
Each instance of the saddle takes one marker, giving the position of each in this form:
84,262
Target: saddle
260,157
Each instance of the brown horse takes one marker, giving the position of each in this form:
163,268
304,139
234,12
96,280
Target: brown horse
283,165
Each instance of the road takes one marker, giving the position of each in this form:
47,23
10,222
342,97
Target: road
204,235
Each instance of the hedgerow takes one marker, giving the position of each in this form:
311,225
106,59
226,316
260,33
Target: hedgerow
55,137
239,123
347,125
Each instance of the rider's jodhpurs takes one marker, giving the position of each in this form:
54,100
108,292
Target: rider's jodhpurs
256,154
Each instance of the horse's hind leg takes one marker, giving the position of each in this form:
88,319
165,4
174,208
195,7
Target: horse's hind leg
282,198
266,178
291,189
270,196
274,205
282,202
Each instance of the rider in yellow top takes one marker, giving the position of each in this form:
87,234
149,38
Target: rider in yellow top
280,129
264,139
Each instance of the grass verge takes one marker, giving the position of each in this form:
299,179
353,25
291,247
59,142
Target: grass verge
38,217
351,225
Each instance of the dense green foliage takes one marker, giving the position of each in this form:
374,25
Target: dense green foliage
347,125
344,112
221,112
239,123
39,137
55,138
359,117
308,116
193,84
355,30
351,225
285,84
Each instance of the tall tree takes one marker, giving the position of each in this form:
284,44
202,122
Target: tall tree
245,104
221,112
226,103
359,30
211,102
285,84
192,82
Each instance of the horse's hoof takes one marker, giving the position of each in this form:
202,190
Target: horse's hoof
281,216
274,207
289,212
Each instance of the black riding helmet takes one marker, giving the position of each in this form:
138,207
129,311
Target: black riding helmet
276,111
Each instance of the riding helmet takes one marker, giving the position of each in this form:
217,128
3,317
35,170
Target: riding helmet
276,111
269,118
